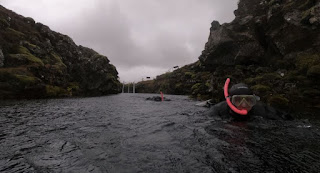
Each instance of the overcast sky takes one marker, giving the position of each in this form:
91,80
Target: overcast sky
140,37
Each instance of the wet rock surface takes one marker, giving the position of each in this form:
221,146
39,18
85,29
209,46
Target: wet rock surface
126,133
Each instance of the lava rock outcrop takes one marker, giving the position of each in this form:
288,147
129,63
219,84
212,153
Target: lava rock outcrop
272,45
36,62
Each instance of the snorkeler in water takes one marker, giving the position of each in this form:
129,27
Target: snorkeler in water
242,104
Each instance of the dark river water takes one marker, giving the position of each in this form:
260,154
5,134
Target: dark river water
126,133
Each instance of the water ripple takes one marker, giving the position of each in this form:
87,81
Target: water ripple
126,133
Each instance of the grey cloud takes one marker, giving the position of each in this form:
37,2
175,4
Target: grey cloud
150,33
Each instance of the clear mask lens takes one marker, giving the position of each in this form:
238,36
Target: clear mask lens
250,100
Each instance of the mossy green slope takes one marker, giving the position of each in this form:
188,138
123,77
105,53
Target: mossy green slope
36,62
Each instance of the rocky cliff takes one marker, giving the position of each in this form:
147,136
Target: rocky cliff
36,62
188,80
272,45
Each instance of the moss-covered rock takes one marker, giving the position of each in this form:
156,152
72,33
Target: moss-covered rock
14,74
293,76
281,63
73,87
53,59
305,61
17,70
278,101
260,89
19,83
200,89
263,78
38,62
195,88
314,71
4,23
240,67
56,91
311,92
188,75
15,60
13,35
254,80
273,2
262,70
30,46
26,80
306,15
178,86
271,76
34,49
22,57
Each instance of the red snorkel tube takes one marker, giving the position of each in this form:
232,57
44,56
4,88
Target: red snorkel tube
226,95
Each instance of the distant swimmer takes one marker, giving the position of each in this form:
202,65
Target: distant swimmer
157,98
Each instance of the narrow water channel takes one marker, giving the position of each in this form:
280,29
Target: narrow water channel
127,133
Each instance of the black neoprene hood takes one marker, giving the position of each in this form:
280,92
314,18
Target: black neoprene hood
240,89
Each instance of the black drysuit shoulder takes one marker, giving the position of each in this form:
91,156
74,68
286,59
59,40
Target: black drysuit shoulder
223,111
